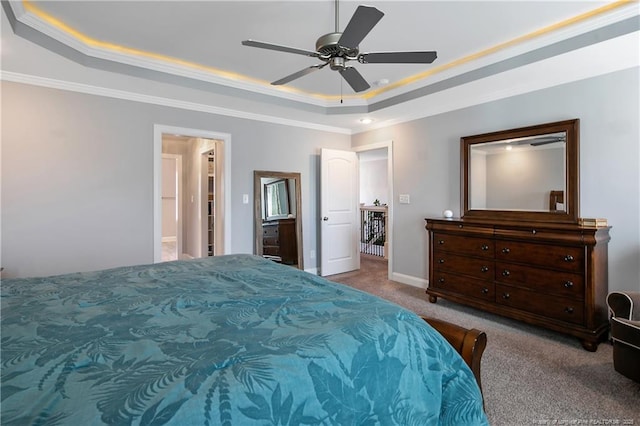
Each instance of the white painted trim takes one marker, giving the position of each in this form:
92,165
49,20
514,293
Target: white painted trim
169,239
389,249
158,130
409,280
157,100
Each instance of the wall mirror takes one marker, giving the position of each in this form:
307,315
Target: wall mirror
277,218
529,173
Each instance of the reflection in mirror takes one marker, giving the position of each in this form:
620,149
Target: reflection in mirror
278,225
529,173
519,174
277,193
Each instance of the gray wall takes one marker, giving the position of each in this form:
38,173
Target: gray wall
77,172
427,163
77,177
523,179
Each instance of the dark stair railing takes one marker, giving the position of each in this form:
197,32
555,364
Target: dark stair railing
373,223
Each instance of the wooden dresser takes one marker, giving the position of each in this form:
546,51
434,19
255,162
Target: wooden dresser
279,240
547,274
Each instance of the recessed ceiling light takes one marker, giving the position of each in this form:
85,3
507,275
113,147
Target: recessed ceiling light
381,82
366,120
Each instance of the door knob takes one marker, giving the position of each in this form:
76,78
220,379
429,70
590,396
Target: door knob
325,218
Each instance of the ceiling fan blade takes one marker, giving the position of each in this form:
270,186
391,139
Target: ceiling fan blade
271,46
545,141
397,57
362,21
355,79
298,74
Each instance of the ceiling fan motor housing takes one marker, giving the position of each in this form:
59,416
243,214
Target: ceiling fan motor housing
327,46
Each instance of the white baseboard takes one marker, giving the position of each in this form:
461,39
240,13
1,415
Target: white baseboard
409,280
313,271
185,256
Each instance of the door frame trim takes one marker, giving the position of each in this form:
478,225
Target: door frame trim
389,146
225,176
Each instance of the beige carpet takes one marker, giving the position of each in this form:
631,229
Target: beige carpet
530,376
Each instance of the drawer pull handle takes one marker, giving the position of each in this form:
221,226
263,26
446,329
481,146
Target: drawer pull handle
568,310
440,242
506,250
506,273
568,258
485,290
441,280
568,284
441,261
484,269
484,247
506,296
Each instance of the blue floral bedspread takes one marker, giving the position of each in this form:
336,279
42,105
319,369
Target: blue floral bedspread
229,340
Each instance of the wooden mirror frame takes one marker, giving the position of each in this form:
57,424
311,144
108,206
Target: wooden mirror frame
572,212
259,209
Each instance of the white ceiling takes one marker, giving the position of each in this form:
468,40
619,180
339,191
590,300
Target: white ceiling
198,45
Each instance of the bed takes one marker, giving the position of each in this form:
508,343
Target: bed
228,340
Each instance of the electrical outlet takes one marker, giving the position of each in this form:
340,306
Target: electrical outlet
312,254
404,199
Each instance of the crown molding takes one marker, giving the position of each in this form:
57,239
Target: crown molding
162,101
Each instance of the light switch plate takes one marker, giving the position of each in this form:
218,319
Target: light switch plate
245,198
404,199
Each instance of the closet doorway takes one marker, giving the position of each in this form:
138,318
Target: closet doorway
190,208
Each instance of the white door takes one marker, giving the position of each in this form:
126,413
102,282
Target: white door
339,212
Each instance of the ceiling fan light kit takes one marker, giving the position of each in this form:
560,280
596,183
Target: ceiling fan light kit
336,49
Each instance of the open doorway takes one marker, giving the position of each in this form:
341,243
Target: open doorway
190,204
376,196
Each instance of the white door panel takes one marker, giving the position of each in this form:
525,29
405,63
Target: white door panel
339,207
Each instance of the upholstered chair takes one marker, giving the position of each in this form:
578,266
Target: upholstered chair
625,332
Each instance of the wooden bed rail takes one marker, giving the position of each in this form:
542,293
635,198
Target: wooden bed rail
469,343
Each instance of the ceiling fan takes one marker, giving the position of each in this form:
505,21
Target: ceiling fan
336,49
544,140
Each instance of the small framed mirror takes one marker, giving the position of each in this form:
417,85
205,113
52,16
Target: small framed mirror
277,219
529,173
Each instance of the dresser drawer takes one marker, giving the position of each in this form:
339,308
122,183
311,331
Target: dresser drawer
271,250
548,256
560,308
463,228
270,231
270,241
544,281
467,286
473,246
475,267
